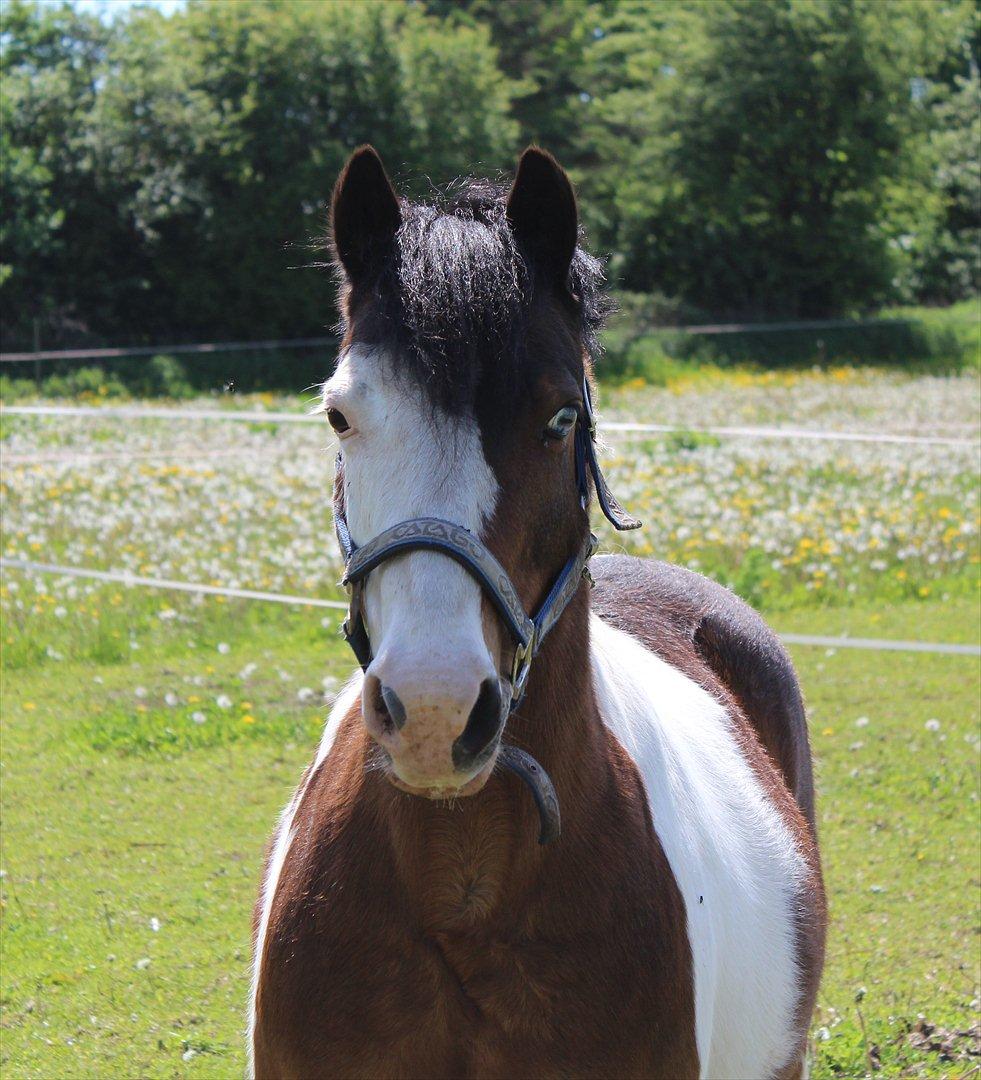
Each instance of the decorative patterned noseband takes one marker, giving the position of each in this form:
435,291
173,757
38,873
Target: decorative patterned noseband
460,544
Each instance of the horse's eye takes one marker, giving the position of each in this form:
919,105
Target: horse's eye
337,420
562,422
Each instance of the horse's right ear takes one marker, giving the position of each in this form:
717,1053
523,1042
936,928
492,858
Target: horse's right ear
364,215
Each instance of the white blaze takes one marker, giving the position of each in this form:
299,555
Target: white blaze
406,458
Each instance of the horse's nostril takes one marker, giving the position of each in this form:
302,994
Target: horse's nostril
483,727
393,706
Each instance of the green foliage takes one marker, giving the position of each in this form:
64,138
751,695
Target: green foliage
757,155
52,230
192,156
166,177
943,249
542,47
160,376
927,339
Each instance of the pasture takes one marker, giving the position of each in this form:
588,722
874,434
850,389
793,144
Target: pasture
150,738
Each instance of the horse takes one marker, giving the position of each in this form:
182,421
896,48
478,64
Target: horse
561,820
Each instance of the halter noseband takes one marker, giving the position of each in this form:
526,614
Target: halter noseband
527,632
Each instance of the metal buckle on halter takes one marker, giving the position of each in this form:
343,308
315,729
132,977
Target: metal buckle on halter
523,656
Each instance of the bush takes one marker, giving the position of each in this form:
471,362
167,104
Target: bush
935,339
83,382
162,376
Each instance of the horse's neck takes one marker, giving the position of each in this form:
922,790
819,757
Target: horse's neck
471,867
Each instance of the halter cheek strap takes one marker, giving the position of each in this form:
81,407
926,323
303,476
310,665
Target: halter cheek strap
587,465
433,534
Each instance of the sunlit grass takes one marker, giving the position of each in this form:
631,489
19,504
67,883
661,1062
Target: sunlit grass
142,787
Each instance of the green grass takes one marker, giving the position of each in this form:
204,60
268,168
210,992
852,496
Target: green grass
899,827
120,808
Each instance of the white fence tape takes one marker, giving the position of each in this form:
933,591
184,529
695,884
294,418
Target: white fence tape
123,578
123,412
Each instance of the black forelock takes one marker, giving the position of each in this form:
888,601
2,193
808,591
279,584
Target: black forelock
453,303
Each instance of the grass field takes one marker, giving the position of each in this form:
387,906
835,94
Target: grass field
151,738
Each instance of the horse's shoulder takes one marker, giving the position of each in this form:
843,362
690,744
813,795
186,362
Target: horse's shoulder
721,643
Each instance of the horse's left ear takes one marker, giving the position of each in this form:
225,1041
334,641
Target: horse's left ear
542,212
364,215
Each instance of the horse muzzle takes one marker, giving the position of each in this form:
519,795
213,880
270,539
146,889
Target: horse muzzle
414,737
439,729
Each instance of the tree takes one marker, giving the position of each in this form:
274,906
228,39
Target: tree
50,63
541,46
208,142
937,227
755,161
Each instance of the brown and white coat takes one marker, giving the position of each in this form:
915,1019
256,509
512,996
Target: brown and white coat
676,928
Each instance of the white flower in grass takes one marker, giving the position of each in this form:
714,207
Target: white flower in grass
170,698
304,694
198,717
223,701
143,964
140,691
60,612
155,924
247,671
167,614
224,648
862,721
932,725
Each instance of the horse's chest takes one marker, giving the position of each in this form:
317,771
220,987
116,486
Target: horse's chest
590,980
477,1007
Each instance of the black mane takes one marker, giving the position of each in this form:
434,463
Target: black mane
453,300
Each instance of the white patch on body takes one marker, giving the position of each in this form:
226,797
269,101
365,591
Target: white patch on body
736,864
283,838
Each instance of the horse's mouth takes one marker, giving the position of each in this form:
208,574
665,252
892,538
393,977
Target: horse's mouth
449,790
516,761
